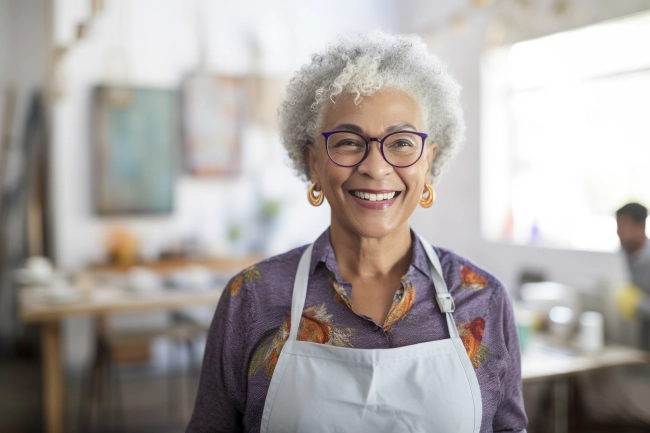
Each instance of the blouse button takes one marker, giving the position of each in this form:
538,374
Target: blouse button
377,328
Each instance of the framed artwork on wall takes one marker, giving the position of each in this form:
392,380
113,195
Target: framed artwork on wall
135,138
214,111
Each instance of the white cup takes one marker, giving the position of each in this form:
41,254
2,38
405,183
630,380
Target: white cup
39,268
591,334
142,280
198,278
561,322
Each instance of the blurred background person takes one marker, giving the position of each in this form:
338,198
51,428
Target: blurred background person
634,299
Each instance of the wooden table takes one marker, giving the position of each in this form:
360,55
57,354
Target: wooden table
171,265
547,359
99,304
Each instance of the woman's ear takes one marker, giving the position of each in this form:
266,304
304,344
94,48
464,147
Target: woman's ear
432,150
310,156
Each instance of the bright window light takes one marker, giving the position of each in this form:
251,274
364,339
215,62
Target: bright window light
565,123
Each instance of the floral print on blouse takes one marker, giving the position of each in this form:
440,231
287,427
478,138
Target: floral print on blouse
252,321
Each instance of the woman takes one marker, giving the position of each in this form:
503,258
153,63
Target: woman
369,329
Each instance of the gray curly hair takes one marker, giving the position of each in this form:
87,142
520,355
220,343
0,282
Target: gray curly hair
361,65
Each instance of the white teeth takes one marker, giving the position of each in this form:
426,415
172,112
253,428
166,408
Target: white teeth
374,197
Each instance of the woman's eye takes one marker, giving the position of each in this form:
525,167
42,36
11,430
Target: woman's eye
347,143
402,143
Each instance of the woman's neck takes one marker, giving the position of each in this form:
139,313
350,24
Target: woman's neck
361,257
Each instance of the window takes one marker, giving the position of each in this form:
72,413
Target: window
565,139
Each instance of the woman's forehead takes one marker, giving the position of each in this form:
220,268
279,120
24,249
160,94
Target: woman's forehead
383,111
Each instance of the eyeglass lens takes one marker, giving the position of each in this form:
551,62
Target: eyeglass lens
348,149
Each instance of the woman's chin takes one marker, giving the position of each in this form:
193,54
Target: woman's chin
371,228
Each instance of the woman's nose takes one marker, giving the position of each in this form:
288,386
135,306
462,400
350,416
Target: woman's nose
374,165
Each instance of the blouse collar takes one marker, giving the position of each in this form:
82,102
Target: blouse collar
324,253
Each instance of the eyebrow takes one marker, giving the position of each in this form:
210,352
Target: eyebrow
400,127
354,128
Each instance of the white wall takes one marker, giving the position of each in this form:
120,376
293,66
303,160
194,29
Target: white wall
160,42
454,221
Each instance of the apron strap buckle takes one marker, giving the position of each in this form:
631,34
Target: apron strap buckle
446,303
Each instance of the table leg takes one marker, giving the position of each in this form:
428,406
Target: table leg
53,391
560,405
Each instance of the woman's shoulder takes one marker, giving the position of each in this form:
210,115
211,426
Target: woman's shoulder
464,273
270,275
483,306
287,259
473,288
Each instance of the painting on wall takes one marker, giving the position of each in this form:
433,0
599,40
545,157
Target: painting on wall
214,111
135,142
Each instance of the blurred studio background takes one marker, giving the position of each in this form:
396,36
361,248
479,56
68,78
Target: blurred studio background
140,169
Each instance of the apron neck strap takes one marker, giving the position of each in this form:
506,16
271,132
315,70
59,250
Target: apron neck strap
300,292
445,301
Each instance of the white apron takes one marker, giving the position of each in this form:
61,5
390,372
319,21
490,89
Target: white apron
425,387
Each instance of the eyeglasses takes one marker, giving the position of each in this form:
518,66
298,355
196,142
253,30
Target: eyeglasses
399,149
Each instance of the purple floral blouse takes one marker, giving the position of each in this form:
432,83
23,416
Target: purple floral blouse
252,320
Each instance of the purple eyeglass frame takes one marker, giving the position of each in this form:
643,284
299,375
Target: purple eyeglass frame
381,146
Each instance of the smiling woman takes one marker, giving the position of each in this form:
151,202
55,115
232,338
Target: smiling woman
370,328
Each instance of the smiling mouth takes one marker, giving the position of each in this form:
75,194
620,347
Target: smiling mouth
375,197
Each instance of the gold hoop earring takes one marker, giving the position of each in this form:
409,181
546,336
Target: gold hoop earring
430,198
314,200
